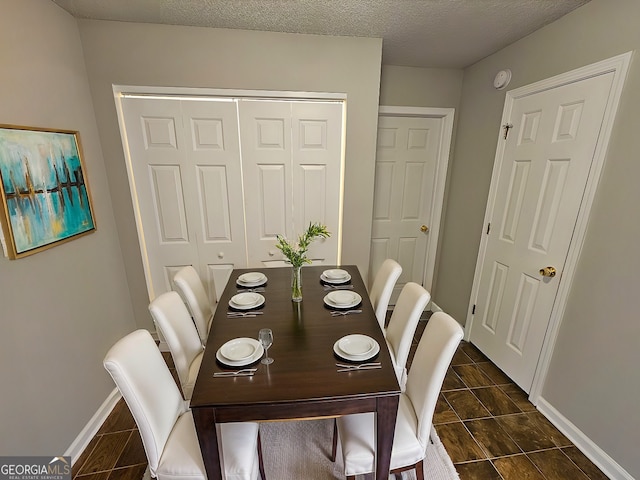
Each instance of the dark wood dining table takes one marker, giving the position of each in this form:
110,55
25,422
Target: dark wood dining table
303,381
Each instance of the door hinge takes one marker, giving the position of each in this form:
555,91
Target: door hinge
473,310
488,228
506,128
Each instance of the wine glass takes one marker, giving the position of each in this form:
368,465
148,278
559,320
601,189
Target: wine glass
266,339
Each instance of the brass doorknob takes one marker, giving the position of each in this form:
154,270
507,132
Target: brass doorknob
548,272
424,228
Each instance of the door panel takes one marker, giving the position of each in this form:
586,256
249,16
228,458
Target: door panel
404,187
292,162
266,162
317,176
215,188
155,141
540,186
185,163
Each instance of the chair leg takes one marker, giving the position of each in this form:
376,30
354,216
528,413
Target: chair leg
260,462
420,470
334,447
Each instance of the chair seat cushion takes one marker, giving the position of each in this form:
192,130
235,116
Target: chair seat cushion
357,440
181,458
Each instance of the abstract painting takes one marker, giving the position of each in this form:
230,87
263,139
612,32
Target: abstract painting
45,196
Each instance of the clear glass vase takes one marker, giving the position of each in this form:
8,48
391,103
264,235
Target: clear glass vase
296,284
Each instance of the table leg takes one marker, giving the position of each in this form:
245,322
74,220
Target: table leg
205,421
386,412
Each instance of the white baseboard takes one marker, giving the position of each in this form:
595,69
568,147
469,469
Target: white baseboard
598,456
434,308
162,344
91,428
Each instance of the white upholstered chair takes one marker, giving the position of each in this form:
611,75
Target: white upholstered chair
166,423
411,303
172,319
189,285
415,410
382,288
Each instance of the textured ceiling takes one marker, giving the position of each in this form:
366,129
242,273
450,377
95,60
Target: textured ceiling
419,33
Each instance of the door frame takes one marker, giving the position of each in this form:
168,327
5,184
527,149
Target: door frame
617,65
446,115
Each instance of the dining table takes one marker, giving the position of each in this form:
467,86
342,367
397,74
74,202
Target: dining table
303,382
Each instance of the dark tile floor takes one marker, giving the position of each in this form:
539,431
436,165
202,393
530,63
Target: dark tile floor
485,422
492,432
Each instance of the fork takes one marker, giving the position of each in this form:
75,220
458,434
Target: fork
361,366
338,287
245,372
243,314
255,289
337,313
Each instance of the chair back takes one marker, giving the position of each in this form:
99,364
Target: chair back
382,288
143,378
411,303
189,285
172,318
434,353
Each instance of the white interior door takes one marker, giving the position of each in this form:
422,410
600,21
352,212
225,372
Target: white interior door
292,163
404,194
185,166
537,191
317,145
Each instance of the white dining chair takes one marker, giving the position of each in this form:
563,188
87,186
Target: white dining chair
399,333
166,423
190,287
356,433
172,319
382,288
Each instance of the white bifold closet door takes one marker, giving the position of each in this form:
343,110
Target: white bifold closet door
292,175
213,181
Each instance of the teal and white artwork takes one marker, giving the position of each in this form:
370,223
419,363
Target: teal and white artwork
44,189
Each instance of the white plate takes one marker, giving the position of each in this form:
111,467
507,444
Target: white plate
336,274
239,349
337,299
251,279
342,354
246,301
326,279
259,350
357,345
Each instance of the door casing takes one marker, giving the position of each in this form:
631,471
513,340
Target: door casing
619,66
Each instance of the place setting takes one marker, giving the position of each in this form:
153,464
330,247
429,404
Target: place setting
343,302
356,349
239,354
245,304
336,279
251,282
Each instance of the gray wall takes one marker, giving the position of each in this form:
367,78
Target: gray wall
64,307
161,55
420,87
593,379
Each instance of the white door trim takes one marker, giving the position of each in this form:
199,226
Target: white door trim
442,163
133,90
619,66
